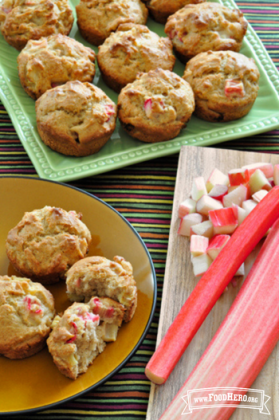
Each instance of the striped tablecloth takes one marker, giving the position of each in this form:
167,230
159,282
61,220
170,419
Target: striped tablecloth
142,193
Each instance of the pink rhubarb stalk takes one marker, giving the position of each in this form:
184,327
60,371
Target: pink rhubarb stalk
244,340
211,286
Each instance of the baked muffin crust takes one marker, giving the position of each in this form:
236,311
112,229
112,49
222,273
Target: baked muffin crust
46,242
75,119
162,9
26,314
53,61
81,333
225,84
21,20
98,18
156,106
203,27
131,50
102,277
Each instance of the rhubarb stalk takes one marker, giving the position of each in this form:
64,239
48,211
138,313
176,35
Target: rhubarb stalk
244,340
211,286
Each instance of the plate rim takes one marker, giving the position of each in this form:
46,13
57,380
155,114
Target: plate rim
151,316
146,151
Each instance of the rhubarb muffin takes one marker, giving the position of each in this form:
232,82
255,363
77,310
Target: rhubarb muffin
53,61
26,314
81,333
131,50
97,19
46,242
75,119
160,10
21,20
156,106
225,84
102,277
203,27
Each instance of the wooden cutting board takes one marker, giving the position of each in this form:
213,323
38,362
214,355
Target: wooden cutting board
179,282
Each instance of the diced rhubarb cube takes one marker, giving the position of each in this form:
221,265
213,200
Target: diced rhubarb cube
218,192
201,264
237,196
206,203
223,220
258,181
198,188
186,207
216,244
238,176
259,195
240,213
276,174
203,229
198,245
216,177
234,87
266,168
187,221
249,205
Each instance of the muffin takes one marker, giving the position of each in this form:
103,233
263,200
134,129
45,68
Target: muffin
102,277
225,84
26,314
98,18
46,242
81,334
131,50
156,106
21,20
160,10
53,61
75,119
203,27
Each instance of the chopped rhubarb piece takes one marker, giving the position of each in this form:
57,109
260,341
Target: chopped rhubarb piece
97,306
78,282
109,312
109,111
258,181
33,306
237,196
216,177
259,195
223,220
216,244
72,339
238,176
249,205
212,285
234,88
201,264
148,107
198,188
206,204
276,174
198,245
186,207
239,213
266,168
203,229
188,221
218,192
245,339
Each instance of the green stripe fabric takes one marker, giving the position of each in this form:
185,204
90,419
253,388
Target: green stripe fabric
143,193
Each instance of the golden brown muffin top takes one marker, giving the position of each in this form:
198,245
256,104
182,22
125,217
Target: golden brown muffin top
52,61
80,110
21,20
133,49
206,26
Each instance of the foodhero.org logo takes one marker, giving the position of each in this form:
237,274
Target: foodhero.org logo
197,399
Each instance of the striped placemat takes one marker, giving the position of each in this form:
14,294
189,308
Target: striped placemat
143,193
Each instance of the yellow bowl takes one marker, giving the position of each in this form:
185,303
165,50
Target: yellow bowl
35,383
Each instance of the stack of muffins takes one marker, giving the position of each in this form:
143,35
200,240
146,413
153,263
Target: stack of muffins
46,246
76,118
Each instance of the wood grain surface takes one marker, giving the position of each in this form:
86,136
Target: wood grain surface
179,282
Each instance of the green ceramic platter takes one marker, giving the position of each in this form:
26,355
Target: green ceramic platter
122,150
